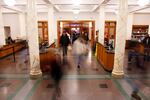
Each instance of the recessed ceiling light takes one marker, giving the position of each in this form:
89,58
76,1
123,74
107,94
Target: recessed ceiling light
10,2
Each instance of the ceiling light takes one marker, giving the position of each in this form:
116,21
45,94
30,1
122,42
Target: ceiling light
143,2
76,2
76,11
10,2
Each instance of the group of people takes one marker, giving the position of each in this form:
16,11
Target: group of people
79,46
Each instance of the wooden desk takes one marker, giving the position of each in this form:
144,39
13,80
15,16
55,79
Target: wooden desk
105,57
12,48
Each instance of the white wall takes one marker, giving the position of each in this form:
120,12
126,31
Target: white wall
12,20
42,16
110,16
141,19
71,16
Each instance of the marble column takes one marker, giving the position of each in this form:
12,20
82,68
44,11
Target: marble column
32,31
51,24
121,32
22,21
129,26
2,34
101,24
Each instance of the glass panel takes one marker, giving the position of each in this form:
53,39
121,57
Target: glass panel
45,34
112,24
45,24
40,35
106,24
111,31
39,24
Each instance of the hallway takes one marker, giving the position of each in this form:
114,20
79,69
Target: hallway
90,83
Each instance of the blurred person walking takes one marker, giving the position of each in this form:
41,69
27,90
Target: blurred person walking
56,73
79,49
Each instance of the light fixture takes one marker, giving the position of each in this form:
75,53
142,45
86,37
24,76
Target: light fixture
142,2
76,2
10,2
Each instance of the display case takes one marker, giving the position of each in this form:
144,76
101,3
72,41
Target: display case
139,30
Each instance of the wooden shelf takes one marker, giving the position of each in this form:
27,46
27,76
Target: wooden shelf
139,30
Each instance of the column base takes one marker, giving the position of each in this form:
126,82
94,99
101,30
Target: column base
35,74
117,75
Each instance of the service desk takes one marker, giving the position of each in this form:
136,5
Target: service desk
12,48
105,57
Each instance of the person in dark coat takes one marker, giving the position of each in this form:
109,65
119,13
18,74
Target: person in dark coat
64,41
146,43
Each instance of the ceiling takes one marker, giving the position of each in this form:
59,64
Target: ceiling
68,6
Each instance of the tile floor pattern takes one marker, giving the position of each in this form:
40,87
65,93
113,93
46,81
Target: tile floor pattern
86,84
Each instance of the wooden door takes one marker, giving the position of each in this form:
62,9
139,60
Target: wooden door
43,31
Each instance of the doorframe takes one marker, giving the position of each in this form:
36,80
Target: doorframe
93,29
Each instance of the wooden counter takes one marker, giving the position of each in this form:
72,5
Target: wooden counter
105,57
47,58
9,49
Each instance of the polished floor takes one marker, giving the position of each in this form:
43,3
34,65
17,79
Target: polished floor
91,82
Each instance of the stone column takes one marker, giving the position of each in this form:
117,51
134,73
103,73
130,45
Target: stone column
32,29
51,24
129,26
22,21
2,34
101,24
121,32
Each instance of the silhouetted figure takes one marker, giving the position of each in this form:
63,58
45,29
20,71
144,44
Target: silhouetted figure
64,41
9,40
56,74
146,43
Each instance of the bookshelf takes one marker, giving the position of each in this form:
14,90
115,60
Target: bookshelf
139,30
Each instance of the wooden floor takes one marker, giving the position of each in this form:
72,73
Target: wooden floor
91,82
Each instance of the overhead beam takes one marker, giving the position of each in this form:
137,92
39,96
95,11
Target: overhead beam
49,2
101,3
139,8
13,9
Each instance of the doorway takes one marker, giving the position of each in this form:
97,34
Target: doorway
77,27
